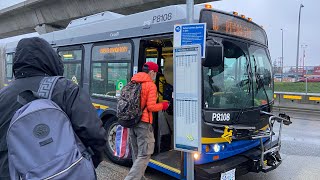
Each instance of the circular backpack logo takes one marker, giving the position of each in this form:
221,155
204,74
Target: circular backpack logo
41,131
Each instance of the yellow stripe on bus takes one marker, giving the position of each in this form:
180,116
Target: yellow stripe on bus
212,140
314,98
165,166
221,140
265,128
292,97
100,106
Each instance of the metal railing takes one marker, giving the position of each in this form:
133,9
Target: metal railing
274,159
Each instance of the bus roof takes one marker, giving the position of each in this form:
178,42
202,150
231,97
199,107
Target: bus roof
110,26
103,16
11,43
116,26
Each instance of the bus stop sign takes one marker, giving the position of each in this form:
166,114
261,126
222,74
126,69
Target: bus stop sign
191,34
187,98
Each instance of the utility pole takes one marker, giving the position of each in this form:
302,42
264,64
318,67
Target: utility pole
304,46
282,56
297,62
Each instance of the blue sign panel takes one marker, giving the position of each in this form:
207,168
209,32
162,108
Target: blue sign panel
190,34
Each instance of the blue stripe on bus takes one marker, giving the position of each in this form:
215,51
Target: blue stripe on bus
236,147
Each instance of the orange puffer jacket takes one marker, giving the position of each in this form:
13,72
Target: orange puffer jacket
148,96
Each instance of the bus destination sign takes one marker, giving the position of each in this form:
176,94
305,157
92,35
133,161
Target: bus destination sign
231,25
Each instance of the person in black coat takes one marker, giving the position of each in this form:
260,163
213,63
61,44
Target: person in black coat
34,59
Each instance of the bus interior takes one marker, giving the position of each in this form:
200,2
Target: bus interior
160,51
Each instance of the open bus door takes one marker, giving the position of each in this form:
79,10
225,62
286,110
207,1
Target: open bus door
165,158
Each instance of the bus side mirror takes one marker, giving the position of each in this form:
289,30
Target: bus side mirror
214,55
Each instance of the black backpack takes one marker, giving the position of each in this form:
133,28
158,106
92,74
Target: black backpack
128,108
167,95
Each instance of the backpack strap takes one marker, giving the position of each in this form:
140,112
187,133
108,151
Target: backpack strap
46,87
45,91
26,96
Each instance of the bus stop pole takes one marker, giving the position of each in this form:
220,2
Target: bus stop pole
190,11
190,166
190,160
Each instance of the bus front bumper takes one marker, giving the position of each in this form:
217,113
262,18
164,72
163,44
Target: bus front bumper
243,163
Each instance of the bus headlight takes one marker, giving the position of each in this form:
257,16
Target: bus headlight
196,156
216,148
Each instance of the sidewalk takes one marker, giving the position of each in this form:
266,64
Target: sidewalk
295,110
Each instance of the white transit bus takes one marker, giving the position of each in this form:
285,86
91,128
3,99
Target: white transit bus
101,53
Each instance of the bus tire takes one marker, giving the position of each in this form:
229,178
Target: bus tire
110,125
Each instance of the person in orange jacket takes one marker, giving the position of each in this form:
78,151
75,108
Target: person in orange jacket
141,136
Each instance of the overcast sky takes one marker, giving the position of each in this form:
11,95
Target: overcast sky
274,15
7,3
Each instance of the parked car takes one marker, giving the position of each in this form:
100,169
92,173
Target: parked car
310,79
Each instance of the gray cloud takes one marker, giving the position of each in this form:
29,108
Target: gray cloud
276,14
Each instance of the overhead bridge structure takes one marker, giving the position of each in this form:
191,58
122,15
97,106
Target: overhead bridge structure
49,15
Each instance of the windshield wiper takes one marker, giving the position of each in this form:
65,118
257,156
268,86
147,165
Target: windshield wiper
249,71
260,82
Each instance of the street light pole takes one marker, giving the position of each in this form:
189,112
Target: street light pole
282,57
297,62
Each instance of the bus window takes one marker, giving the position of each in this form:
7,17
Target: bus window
111,67
72,60
9,61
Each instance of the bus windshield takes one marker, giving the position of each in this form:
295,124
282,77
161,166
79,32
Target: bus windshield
242,81
262,75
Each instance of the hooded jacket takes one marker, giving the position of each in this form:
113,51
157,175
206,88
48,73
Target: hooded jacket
148,96
34,59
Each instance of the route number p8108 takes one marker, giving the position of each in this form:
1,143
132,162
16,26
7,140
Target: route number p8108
220,116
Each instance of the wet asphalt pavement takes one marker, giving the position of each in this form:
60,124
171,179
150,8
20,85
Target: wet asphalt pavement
300,153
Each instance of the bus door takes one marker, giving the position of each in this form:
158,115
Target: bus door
149,51
160,51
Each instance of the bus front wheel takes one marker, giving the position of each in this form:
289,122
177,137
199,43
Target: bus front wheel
110,125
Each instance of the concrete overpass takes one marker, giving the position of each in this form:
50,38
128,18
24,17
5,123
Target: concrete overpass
49,15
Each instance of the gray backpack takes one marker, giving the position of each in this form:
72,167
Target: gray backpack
41,141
